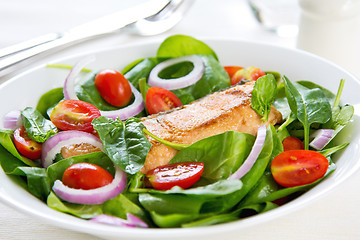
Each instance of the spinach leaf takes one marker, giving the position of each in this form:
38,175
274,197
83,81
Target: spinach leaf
233,215
178,205
221,154
308,105
281,102
36,178
341,116
49,100
141,70
330,151
263,95
123,204
37,126
181,45
78,210
125,142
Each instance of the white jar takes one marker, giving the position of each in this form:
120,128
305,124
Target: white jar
331,29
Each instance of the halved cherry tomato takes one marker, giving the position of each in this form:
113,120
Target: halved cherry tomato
231,70
86,176
74,115
249,73
292,143
298,167
183,174
160,100
113,87
25,145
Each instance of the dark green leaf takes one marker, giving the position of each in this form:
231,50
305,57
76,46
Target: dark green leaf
221,154
79,210
181,45
125,142
49,100
308,105
263,95
37,126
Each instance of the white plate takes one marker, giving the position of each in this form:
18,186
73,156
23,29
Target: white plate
25,89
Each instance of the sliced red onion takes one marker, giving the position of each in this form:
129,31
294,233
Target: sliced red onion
53,145
92,196
321,138
129,111
69,85
254,154
181,82
132,221
12,120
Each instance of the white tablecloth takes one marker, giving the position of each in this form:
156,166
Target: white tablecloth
335,216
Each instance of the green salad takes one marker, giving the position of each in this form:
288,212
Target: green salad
82,149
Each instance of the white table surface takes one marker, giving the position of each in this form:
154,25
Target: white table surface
335,216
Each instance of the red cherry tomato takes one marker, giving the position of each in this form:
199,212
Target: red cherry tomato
160,100
249,73
25,145
74,115
113,87
86,176
298,167
183,175
292,143
231,70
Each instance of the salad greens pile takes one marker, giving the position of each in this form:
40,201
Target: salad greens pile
305,107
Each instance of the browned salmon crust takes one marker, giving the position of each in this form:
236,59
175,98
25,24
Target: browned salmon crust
226,110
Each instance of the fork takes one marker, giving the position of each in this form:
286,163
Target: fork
149,18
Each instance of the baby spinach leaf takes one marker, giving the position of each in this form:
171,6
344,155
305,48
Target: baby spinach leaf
308,105
141,70
36,178
49,100
221,154
125,142
79,210
181,45
213,198
263,95
121,205
172,220
37,126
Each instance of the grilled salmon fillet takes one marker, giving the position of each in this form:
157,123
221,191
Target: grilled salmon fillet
226,110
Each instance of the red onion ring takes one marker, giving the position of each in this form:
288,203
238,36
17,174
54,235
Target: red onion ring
181,82
92,196
131,221
254,154
124,113
129,111
321,138
12,120
69,91
53,145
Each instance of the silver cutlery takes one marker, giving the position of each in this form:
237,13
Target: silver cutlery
149,18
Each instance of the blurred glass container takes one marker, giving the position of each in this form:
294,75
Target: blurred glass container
331,29
279,16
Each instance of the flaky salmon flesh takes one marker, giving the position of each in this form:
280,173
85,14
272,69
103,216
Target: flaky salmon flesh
226,110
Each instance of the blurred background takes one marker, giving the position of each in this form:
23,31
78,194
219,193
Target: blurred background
332,32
